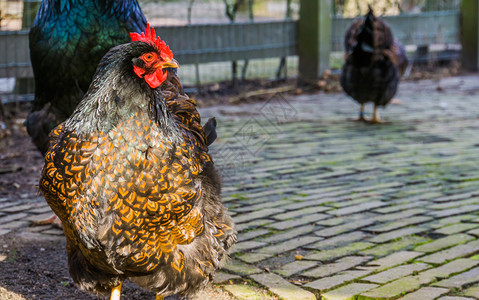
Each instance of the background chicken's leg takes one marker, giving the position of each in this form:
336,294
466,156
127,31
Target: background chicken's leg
376,118
361,113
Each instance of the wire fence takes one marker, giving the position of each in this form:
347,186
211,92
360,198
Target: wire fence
17,15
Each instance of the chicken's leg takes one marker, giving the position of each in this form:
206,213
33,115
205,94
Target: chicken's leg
376,118
361,113
116,292
159,297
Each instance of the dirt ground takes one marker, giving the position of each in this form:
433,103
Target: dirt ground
37,269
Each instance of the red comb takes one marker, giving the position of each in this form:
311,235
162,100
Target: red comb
151,38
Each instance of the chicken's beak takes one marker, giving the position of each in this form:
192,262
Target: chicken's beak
168,64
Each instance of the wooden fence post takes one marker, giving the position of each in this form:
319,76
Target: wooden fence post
470,34
314,42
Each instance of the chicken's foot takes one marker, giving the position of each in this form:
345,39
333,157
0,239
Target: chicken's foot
116,292
376,118
159,297
361,113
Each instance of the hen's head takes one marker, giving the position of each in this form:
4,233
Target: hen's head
151,64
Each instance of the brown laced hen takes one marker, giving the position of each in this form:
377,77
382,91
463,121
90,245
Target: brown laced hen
130,177
374,62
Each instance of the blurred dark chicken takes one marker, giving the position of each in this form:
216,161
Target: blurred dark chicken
67,41
373,63
129,175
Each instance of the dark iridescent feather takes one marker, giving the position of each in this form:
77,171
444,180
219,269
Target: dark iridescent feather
67,41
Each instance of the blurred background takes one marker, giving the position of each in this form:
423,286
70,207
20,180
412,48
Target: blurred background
227,46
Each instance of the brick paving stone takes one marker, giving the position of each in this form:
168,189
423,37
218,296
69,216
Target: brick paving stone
14,225
244,246
339,240
395,273
425,293
398,224
286,235
309,219
17,208
341,278
326,255
254,257
455,266
337,266
348,292
396,288
288,245
252,234
400,215
279,286
300,212
295,267
472,291
460,280
446,205
256,215
335,230
454,298
302,204
53,231
452,198
451,253
343,203
394,259
243,291
452,220
444,242
454,211
393,246
356,208
12,217
456,228
400,207
252,224
333,221
387,236
38,228
6,204
263,205
41,209
240,268
221,277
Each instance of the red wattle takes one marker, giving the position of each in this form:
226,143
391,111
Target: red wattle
155,79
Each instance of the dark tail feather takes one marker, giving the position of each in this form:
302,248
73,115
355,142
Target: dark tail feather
210,131
365,36
39,124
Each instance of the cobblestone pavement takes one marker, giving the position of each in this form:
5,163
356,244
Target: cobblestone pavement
333,208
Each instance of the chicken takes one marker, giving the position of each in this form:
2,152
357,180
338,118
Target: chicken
130,177
67,41
373,61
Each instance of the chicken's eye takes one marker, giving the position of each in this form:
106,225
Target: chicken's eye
148,57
